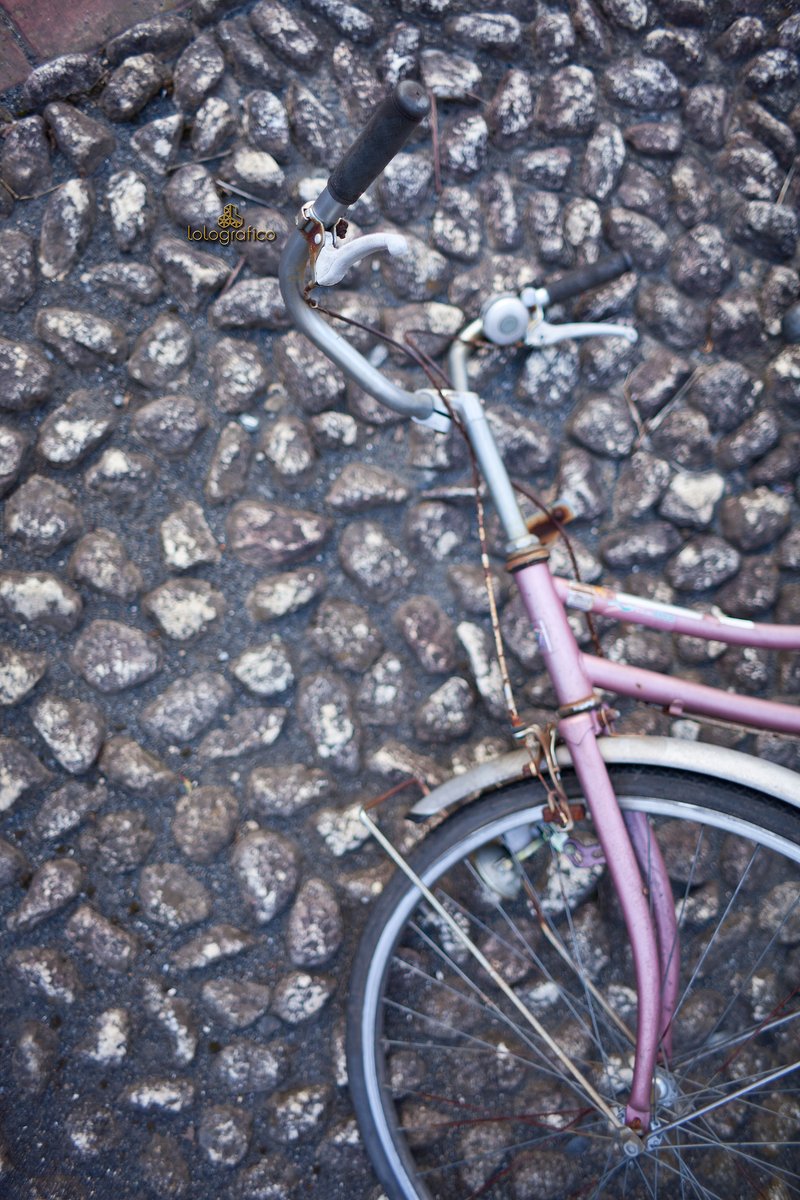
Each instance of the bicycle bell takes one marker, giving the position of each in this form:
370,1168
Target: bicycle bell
505,319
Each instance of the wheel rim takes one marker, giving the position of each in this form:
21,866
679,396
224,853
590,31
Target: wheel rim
527,1149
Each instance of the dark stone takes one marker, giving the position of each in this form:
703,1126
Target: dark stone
642,84
191,198
132,206
704,114
266,866
544,217
725,392
100,940
603,424
567,102
42,515
25,157
751,168
214,125
157,142
771,230
26,376
326,714
251,60
112,656
661,139
197,72
187,707
681,49
370,558
769,131
645,544
603,161
735,325
172,897
250,304
99,560
429,632
700,263
755,519
72,729
81,338
288,36
693,193
510,112
684,437
170,425
404,186
486,31
546,168
17,270
656,380
205,822
553,38
192,276
122,478
84,141
129,281
254,171
642,239
132,85
753,592
263,534
741,38
54,885
161,352
750,441
75,428
670,315
781,465
67,75
266,125
704,562
229,465
126,763
118,841
40,599
465,145
164,34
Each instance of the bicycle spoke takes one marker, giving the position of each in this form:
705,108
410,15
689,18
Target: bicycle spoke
489,1110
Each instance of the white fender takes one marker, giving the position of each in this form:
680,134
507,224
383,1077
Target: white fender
699,758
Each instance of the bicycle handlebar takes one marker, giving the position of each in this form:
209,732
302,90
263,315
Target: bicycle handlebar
573,283
388,130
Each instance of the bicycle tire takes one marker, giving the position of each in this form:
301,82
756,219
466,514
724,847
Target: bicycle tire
436,1126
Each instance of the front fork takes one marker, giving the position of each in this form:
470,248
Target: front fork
632,854
628,844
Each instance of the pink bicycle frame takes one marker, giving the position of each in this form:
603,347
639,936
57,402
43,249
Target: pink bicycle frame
627,843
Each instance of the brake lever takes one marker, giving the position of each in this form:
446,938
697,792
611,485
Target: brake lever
542,333
335,258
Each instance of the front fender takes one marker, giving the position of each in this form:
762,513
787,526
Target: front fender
699,758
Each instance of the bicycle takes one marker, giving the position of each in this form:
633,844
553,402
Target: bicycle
581,982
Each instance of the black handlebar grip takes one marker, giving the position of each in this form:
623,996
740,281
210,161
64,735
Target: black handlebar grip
388,129
584,278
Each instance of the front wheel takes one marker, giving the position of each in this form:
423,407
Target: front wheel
458,1097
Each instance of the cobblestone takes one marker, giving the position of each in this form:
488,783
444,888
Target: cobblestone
203,518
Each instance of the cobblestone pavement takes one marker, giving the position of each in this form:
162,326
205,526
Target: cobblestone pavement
237,597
